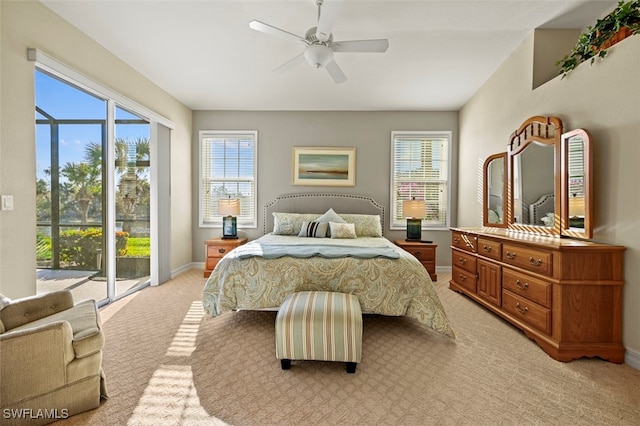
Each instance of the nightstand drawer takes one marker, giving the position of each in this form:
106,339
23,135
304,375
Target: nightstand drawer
218,251
423,254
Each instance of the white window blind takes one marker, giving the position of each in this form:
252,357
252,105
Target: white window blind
420,170
228,163
576,168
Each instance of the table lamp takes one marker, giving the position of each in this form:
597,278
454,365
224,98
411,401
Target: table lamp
229,208
413,210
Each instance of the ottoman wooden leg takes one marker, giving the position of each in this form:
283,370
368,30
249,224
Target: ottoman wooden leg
286,364
351,367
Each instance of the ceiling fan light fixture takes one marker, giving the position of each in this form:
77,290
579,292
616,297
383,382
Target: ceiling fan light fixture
318,55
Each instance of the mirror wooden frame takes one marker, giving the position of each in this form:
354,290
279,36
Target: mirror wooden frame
566,229
545,131
485,190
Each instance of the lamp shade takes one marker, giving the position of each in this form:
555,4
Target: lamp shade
576,207
229,207
413,208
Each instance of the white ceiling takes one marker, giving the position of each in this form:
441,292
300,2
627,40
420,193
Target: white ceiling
205,55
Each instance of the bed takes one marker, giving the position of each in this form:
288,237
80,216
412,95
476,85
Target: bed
386,279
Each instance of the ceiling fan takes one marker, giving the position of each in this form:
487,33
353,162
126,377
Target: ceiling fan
319,43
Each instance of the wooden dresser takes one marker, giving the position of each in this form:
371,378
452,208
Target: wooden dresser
564,294
216,249
424,252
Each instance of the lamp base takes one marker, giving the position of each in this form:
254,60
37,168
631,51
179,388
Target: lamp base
229,228
414,229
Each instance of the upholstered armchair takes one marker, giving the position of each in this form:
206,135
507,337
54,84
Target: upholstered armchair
50,358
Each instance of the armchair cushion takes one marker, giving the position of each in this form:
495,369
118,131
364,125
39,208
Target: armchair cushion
29,309
84,320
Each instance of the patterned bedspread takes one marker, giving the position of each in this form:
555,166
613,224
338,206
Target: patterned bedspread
385,286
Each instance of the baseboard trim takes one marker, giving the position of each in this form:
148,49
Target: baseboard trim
632,358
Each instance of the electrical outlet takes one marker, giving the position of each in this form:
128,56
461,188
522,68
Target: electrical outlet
7,202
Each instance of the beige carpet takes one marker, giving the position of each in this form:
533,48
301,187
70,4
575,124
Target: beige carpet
165,365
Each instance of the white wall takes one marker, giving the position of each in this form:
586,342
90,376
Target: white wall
279,132
604,99
30,24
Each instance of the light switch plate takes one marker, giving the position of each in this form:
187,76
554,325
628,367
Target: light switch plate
7,202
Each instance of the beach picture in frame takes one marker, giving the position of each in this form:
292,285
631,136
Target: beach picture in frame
324,166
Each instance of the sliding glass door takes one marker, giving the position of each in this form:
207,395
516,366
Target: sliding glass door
92,192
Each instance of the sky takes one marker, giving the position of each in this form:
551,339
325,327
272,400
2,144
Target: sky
63,101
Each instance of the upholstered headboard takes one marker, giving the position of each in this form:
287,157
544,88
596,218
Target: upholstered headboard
320,203
540,208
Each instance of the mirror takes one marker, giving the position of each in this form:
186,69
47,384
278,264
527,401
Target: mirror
577,203
534,183
494,191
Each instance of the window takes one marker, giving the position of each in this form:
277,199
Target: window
420,170
228,163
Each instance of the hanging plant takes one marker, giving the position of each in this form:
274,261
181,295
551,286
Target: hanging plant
622,22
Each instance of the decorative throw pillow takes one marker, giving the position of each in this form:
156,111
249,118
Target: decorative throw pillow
330,216
290,223
342,230
367,225
314,229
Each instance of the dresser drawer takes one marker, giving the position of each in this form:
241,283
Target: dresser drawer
531,288
489,248
533,260
464,241
464,261
527,311
464,278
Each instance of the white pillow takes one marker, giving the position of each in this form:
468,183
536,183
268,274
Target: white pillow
4,301
342,230
313,229
330,216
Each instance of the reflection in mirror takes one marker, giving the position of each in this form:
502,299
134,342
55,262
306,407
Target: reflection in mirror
533,185
494,191
576,184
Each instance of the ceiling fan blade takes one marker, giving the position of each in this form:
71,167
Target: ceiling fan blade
366,46
328,11
271,30
335,72
290,63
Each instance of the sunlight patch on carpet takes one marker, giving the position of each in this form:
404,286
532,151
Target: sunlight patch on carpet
171,396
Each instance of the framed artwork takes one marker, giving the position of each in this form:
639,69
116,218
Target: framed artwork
313,166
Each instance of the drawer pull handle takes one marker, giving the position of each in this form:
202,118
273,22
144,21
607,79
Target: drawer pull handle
486,248
462,277
535,262
462,260
456,240
510,255
522,286
521,309
418,254
221,250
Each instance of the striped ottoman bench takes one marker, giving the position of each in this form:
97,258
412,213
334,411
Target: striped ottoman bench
320,326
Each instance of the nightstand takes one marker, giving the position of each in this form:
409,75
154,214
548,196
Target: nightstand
424,252
216,248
